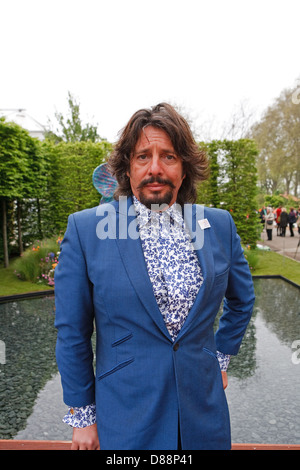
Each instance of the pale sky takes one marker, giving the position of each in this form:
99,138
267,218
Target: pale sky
117,56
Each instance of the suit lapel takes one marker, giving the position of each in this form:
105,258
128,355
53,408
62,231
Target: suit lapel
132,255
202,243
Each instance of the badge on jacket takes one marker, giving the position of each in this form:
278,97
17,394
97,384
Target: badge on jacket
204,224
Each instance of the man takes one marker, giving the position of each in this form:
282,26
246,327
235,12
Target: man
151,270
292,219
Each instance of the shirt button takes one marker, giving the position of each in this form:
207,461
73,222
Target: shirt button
176,346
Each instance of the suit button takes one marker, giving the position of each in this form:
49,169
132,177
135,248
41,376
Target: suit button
176,346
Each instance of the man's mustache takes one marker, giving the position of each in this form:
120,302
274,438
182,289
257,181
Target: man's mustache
155,179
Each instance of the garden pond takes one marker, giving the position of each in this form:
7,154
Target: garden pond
264,379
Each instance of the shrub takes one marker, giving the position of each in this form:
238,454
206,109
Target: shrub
252,257
38,262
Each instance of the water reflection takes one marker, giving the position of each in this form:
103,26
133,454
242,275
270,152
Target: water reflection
264,383
26,328
277,307
263,388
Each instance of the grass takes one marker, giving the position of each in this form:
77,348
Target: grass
268,263
11,285
271,263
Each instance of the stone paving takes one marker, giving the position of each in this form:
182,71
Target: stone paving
286,246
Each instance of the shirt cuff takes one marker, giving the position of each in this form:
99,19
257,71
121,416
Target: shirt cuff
224,360
81,417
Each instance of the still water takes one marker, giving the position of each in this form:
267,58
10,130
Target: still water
264,379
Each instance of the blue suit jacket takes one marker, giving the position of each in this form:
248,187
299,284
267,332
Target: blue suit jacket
143,382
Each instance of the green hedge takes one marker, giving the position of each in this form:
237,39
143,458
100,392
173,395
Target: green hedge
232,184
58,181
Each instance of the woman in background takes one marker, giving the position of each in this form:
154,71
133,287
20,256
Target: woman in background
269,220
283,221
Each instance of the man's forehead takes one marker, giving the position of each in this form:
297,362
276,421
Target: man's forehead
151,135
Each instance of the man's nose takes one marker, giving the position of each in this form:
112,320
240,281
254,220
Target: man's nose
155,165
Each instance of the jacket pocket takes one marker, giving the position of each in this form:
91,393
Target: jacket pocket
221,278
114,369
121,340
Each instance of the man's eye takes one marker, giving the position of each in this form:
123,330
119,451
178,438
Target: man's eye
141,157
170,157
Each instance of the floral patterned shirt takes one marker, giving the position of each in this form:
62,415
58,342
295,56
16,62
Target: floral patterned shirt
172,263
175,274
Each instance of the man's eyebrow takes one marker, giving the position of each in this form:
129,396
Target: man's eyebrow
141,151
146,150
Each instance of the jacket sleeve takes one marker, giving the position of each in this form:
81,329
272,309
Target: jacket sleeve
74,320
239,299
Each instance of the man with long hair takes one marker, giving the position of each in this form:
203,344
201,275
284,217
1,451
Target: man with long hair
151,270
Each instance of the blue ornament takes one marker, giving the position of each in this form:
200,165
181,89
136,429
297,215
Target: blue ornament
104,182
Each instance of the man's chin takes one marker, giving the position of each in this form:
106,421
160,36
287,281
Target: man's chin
154,200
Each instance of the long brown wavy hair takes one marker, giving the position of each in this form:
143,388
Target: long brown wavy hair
162,116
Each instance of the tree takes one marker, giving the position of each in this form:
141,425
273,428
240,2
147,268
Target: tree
71,128
238,189
69,182
278,139
232,184
19,169
208,191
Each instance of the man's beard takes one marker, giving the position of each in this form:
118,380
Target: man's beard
155,199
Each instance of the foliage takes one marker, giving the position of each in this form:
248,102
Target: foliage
209,191
70,187
232,184
71,128
277,200
277,137
20,162
252,256
21,174
273,200
43,183
13,161
38,262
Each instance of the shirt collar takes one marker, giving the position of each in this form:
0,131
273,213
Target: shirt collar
144,214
